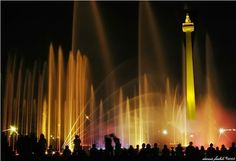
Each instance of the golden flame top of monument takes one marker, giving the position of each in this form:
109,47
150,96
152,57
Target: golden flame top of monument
187,26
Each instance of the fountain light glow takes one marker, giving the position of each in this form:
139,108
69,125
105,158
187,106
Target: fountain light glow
164,132
13,129
60,100
221,130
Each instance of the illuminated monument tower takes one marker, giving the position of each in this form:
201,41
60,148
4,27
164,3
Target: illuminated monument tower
188,27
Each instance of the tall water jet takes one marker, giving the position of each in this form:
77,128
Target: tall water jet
88,29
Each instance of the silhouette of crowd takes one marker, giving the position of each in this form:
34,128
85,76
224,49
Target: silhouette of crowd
30,149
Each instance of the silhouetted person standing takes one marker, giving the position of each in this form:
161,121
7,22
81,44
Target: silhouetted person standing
77,143
148,153
202,152
93,152
232,150
108,146
137,150
155,151
211,151
67,152
165,153
42,145
131,153
142,151
217,153
190,150
179,152
197,154
223,151
117,144
172,152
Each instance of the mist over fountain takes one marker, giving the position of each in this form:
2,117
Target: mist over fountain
58,98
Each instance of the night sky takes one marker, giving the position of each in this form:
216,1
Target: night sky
29,27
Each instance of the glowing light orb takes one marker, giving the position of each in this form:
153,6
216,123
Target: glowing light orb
221,130
164,132
13,129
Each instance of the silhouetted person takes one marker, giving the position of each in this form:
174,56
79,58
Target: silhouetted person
131,152
67,152
93,152
211,151
179,152
202,152
142,151
108,146
137,150
217,152
172,152
42,145
190,151
77,143
117,144
155,150
165,152
232,150
148,152
197,154
223,151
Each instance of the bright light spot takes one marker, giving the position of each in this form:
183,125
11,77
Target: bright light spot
164,132
53,152
221,130
87,117
13,129
191,136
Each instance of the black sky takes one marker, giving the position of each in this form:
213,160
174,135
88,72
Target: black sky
29,27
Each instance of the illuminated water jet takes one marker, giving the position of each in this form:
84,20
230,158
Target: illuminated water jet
58,98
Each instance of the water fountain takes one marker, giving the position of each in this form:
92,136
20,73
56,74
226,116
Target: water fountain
58,98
